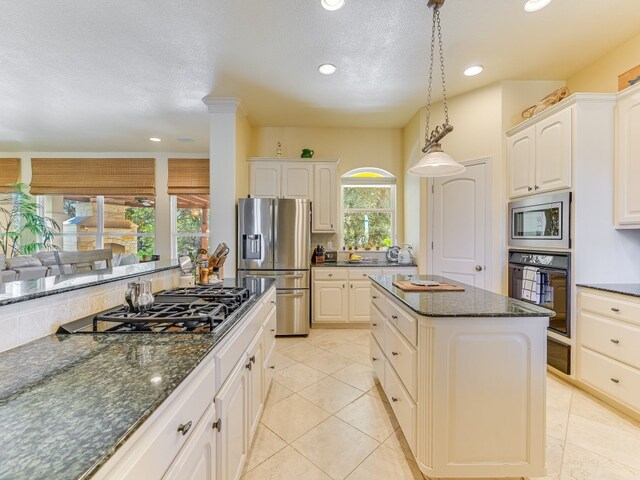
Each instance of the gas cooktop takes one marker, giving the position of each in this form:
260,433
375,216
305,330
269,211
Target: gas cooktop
181,310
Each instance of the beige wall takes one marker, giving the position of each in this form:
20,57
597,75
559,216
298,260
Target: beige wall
602,75
355,147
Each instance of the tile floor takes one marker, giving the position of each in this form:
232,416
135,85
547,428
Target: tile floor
326,418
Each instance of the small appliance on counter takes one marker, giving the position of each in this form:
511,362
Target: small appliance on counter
392,253
404,255
330,256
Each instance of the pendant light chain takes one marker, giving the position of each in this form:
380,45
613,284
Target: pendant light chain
427,134
436,14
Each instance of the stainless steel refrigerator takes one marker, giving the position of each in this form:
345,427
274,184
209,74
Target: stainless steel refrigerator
274,241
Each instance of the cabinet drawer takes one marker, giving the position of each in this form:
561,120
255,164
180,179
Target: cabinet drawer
405,323
613,378
228,355
612,305
403,406
618,340
323,273
363,273
377,324
402,356
377,359
379,300
269,333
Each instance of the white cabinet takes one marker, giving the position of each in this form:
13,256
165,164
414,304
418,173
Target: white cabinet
609,342
330,301
254,364
265,179
294,178
197,459
539,153
627,159
359,301
325,197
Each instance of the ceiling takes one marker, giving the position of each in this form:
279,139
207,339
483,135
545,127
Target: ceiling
105,75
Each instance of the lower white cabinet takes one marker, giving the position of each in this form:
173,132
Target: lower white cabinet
255,366
359,301
330,301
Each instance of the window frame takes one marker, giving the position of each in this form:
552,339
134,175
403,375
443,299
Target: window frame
173,202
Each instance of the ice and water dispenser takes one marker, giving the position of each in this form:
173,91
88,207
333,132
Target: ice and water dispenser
251,246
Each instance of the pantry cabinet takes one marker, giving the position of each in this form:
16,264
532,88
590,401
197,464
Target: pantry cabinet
539,152
296,178
627,159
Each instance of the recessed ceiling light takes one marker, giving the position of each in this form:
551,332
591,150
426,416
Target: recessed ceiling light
535,5
332,4
155,139
473,70
184,139
327,69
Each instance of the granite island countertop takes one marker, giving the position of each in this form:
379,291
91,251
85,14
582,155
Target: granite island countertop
473,302
68,402
20,291
630,289
383,264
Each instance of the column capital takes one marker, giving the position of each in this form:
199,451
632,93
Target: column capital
222,104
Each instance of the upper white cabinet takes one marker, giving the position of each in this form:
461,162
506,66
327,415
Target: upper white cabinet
295,178
325,197
627,159
540,154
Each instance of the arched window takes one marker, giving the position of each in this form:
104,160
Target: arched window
368,208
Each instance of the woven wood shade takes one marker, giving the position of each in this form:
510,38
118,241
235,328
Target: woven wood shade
93,176
188,176
9,172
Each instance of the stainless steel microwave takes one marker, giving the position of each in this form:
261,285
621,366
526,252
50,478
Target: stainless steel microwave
541,221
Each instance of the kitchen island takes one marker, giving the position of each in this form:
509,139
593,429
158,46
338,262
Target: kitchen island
465,374
135,405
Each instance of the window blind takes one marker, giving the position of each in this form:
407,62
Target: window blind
9,173
93,176
188,176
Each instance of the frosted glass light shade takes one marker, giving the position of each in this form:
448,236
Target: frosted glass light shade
436,164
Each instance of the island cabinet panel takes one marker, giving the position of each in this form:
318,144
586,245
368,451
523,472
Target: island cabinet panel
378,359
468,391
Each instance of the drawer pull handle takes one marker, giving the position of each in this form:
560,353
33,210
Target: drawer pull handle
185,427
395,354
272,367
331,274
394,317
273,329
375,359
394,399
253,359
375,297
615,309
248,366
615,380
218,424
374,324
273,302
615,340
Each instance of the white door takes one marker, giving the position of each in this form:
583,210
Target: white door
459,226
297,181
325,198
330,301
264,179
553,152
521,158
359,301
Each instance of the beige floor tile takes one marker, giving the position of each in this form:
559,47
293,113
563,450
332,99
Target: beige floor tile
265,444
282,343
301,351
327,341
363,340
589,407
398,442
370,416
386,464
292,417
607,441
298,376
330,394
353,351
281,361
327,362
557,423
357,375
377,392
336,447
580,464
558,393
287,464
278,392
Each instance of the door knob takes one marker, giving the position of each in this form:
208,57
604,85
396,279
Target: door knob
478,268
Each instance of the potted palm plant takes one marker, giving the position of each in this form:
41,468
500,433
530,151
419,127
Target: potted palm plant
23,230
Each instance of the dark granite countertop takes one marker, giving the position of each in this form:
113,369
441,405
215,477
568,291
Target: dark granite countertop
631,289
68,402
383,264
14,292
473,302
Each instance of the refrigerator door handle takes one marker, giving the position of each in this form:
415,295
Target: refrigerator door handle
266,275
289,294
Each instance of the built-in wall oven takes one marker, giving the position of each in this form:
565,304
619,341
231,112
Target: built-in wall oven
540,221
544,278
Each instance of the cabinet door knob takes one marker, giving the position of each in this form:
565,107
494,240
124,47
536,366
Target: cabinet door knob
343,285
529,189
394,317
374,359
375,297
248,366
218,424
272,367
253,359
615,380
273,330
273,302
395,354
394,399
615,309
331,274
351,285
536,187
185,427
374,324
615,340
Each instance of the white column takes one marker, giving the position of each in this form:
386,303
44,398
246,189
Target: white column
222,171
163,210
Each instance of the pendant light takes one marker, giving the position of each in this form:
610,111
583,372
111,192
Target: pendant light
435,162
